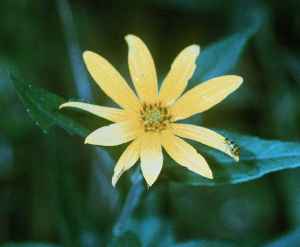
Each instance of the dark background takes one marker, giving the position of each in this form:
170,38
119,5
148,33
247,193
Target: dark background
55,189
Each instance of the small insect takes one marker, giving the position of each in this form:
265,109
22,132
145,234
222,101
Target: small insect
234,149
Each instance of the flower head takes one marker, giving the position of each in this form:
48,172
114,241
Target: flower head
148,119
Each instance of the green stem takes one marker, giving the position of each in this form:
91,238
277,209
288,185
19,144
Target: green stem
132,200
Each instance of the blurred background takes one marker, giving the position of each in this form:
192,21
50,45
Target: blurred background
54,189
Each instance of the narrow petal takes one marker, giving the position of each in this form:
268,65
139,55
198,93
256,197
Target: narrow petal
206,137
114,134
142,69
151,157
110,81
205,96
185,155
109,113
128,158
180,73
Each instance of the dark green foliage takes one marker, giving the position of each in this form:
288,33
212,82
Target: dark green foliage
29,245
43,107
54,189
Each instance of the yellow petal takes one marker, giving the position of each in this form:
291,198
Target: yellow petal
151,157
128,158
185,155
110,81
205,96
109,113
180,73
206,137
114,134
142,69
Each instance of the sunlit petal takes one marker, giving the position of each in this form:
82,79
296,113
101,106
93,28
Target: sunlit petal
185,155
128,158
205,96
142,69
114,134
180,73
110,81
206,137
109,113
151,157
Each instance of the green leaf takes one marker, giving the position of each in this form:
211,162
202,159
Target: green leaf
207,243
258,157
128,239
43,106
28,244
290,239
222,56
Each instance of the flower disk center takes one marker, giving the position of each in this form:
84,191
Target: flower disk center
155,117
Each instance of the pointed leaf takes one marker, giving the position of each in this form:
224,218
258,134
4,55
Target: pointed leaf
222,56
290,239
258,158
42,106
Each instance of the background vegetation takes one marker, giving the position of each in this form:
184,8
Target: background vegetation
54,189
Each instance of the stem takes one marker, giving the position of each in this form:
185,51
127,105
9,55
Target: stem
131,202
78,69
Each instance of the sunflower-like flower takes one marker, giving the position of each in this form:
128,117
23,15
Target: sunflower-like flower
148,119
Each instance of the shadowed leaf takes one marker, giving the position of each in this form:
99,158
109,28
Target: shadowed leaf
222,56
42,106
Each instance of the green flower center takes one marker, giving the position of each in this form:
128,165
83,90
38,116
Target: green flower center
155,117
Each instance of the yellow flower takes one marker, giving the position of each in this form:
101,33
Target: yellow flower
148,119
